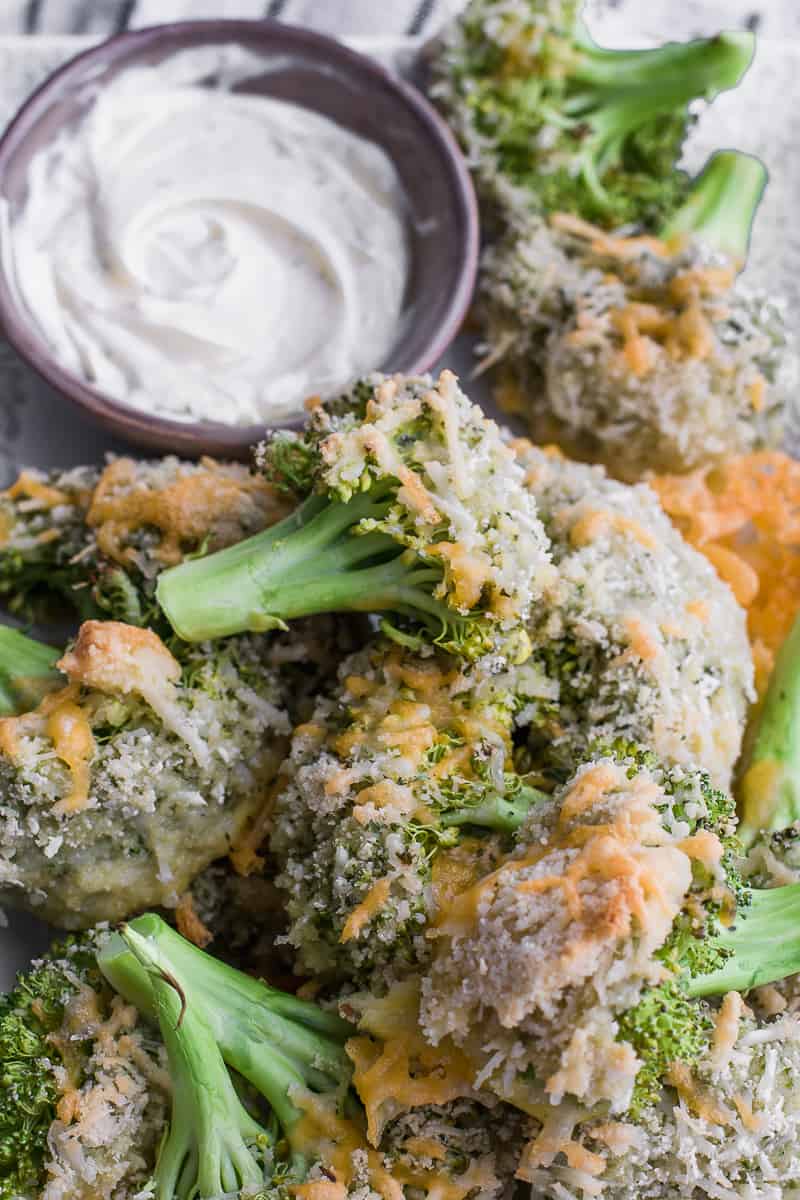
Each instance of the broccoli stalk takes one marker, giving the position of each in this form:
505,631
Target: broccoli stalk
27,671
580,128
762,947
212,1015
308,563
502,813
213,1146
721,206
411,505
770,784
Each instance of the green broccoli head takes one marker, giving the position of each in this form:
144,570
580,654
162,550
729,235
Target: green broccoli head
407,761
552,122
260,1079
95,539
665,1027
642,353
638,639
64,1044
136,772
415,510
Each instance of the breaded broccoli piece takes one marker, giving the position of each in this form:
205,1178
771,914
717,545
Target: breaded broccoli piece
411,505
638,637
27,671
83,1086
642,353
134,1066
729,1127
595,927
130,779
97,538
552,122
407,760
262,1103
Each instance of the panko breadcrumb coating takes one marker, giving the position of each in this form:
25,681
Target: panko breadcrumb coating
536,963
728,1130
124,784
633,352
98,538
359,833
639,635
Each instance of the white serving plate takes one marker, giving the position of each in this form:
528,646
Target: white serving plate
39,428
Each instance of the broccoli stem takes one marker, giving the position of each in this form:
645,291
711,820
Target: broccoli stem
27,671
699,68
212,1147
764,945
626,90
504,814
722,204
311,562
281,1045
770,785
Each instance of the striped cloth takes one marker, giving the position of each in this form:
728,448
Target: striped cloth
645,18
343,17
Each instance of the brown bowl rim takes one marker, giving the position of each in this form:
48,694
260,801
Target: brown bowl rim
210,437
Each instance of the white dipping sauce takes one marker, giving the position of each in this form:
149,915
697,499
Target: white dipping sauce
203,254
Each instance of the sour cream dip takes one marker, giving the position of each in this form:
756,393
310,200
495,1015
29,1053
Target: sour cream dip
205,254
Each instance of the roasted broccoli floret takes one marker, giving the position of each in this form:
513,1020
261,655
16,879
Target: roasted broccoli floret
616,919
97,538
136,772
726,1127
262,1097
642,353
552,122
638,637
99,1041
404,763
412,506
83,1091
615,896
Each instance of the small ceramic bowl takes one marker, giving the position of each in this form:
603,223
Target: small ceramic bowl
304,68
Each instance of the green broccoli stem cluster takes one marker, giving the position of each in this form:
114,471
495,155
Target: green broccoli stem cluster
27,671
770,782
215,1019
314,561
617,93
722,204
